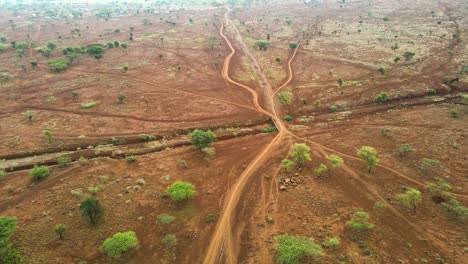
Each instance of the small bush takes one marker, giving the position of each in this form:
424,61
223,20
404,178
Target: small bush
131,159
88,105
60,230
287,118
120,243
58,65
431,92
3,47
2,174
64,161
118,141
170,244
331,242
210,217
202,139
4,77
165,219
209,152
359,221
382,98
454,113
269,129
145,137
292,250
39,172
182,163
91,209
180,191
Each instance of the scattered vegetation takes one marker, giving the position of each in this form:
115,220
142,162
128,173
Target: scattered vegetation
202,139
369,155
410,198
60,230
91,209
359,221
300,153
165,219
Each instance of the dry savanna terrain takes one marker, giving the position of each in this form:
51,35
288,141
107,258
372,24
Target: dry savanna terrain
239,131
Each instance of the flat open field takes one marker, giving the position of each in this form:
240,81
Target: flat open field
113,126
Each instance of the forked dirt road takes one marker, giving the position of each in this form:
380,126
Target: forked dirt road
222,243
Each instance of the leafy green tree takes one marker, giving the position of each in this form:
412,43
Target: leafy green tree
404,149
369,155
321,169
335,161
110,45
95,50
116,44
359,221
294,249
165,219
262,44
60,230
7,227
410,198
202,139
91,209
180,191
429,163
120,243
72,56
300,153
292,45
39,172
124,45
287,164
456,208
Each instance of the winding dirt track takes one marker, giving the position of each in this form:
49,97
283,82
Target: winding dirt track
222,241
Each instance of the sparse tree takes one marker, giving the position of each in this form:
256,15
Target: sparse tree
287,164
91,209
292,45
404,149
60,230
369,155
262,44
300,153
29,115
438,188
410,198
335,161
429,163
359,221
210,153
48,135
321,169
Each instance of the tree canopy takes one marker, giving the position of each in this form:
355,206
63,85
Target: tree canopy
181,190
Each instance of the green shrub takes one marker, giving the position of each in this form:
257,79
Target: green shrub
269,129
64,160
182,163
60,230
7,227
88,105
408,55
359,221
120,243
118,141
202,139
454,113
382,98
39,172
165,219
58,65
431,92
287,118
131,159
456,208
12,256
21,45
331,242
4,77
170,244
3,47
2,174
145,137
209,152
210,217
91,209
293,250
180,191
